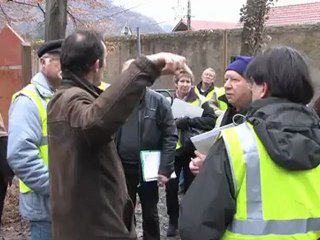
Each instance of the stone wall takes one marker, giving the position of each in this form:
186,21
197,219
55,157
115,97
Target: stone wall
210,49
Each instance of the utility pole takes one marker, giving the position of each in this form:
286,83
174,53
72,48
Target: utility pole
138,42
189,16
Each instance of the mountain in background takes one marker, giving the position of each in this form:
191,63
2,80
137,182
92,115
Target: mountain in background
121,17
117,18
167,27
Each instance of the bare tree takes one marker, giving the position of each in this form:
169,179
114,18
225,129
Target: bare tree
57,16
254,14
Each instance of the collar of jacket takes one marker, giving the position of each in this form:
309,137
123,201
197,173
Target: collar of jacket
71,79
224,99
41,83
192,96
199,85
257,107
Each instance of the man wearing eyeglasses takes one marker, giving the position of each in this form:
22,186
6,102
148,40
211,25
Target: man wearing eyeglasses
27,140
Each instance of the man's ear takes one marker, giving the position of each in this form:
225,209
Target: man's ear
43,61
96,66
264,90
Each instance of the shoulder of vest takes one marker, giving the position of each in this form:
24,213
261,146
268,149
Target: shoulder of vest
31,92
220,91
26,91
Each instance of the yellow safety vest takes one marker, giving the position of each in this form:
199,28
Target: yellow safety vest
103,86
31,92
216,92
272,203
198,103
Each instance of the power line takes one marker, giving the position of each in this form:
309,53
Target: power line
124,10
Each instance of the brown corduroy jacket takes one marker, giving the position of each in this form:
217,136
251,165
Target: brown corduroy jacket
89,199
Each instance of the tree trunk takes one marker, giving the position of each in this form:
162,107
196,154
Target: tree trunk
246,33
245,45
56,19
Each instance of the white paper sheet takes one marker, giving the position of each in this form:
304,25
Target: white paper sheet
150,162
204,141
183,109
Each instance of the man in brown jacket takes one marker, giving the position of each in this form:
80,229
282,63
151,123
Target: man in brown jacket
88,189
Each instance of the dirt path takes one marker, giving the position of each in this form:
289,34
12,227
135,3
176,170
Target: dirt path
15,228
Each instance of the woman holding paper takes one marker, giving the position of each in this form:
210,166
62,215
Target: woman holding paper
187,126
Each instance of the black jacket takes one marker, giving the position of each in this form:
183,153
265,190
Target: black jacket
5,170
291,134
150,127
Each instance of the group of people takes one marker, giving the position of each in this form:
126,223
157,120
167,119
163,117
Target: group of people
75,146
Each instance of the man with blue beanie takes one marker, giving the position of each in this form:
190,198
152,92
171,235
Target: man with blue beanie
237,94
204,213
237,97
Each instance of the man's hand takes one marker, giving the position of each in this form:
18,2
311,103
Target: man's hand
169,62
196,163
162,180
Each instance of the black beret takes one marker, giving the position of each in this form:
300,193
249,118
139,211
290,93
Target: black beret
53,46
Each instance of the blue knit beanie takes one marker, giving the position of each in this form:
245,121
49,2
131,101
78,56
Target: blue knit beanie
240,64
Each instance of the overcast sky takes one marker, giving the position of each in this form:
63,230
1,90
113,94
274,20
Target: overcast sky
165,11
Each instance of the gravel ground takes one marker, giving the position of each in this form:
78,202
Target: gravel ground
15,228
162,209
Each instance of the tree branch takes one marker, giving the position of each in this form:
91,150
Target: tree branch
41,9
5,15
73,18
23,3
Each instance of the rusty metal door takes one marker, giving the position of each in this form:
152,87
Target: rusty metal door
10,68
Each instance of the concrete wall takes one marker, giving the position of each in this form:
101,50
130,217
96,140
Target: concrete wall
210,49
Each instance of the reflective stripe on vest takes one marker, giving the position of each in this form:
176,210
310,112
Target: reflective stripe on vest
31,92
272,202
219,120
198,103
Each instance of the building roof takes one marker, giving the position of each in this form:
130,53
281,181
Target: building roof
307,13
203,25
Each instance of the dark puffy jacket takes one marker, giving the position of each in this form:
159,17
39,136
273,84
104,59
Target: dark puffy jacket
290,133
150,127
5,171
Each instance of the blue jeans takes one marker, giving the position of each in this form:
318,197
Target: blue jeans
40,230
